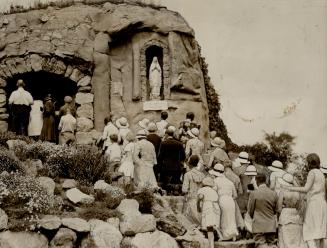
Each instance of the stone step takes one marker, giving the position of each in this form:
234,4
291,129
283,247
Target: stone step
238,244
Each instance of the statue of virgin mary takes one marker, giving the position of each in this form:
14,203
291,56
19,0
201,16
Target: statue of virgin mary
155,79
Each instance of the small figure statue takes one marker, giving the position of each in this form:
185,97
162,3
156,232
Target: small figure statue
155,79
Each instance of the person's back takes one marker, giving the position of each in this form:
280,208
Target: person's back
318,186
171,153
155,140
234,179
147,151
67,123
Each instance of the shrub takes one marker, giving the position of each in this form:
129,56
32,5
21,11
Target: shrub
9,162
98,211
5,136
111,197
145,198
26,193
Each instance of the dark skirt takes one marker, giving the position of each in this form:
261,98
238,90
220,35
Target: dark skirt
48,132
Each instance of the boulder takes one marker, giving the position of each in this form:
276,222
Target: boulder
76,224
104,234
22,239
82,98
69,184
193,238
84,138
114,221
76,75
3,219
170,224
77,196
85,81
85,110
13,143
64,238
134,224
48,184
84,124
101,185
156,239
50,222
3,126
129,207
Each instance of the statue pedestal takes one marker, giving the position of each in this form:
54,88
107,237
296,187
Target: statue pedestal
154,105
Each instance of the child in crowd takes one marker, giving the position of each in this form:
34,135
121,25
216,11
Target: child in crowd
127,164
113,153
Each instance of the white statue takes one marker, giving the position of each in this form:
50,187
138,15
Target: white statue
155,79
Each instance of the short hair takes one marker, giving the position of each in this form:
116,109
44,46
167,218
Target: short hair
107,119
170,132
261,179
190,115
114,137
313,161
20,83
193,160
164,115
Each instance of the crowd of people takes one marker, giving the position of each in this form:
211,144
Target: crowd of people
38,119
227,198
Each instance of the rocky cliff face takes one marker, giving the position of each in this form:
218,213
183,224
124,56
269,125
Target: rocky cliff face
105,49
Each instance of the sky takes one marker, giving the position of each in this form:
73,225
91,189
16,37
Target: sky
268,62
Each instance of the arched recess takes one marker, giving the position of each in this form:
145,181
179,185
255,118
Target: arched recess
144,60
80,74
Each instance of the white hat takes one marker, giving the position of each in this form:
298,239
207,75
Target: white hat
122,122
208,181
217,170
218,142
152,127
243,158
323,168
251,171
287,179
141,134
144,123
194,132
276,166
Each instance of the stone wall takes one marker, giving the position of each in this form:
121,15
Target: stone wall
102,49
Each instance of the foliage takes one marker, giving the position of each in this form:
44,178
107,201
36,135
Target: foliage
84,164
5,136
98,211
9,162
145,198
112,196
26,193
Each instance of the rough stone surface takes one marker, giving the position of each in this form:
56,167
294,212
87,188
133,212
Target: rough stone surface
170,224
64,238
3,126
3,219
129,207
82,98
50,222
77,196
114,221
104,234
193,238
101,185
156,239
85,81
69,184
84,124
13,143
86,111
133,224
48,184
84,138
22,239
76,224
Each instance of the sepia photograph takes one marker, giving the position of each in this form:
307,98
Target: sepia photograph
163,123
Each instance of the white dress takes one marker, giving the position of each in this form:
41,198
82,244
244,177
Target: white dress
36,119
127,164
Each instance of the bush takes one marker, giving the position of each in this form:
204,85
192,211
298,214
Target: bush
145,198
111,197
84,164
24,192
9,162
5,136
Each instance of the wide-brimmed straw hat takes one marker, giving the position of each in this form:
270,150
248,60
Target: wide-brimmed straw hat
287,179
141,134
243,158
217,170
152,127
251,171
122,122
323,168
144,123
208,181
194,132
218,142
276,166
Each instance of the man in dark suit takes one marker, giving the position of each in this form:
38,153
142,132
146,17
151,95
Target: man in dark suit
156,141
262,207
171,158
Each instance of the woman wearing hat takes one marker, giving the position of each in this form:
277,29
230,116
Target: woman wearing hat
277,172
315,219
144,158
194,146
127,164
290,222
227,194
48,132
209,208
218,155
123,127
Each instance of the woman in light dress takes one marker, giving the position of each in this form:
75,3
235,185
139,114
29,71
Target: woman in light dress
315,219
127,164
144,158
227,195
123,127
209,208
36,119
290,222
